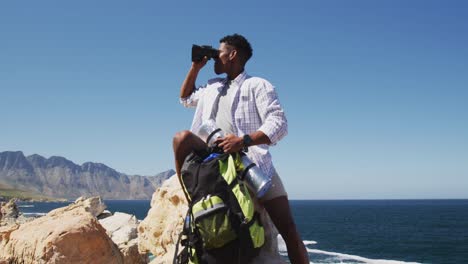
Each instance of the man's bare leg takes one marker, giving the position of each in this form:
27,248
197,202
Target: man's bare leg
184,143
280,213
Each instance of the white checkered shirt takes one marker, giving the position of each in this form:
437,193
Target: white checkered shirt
255,107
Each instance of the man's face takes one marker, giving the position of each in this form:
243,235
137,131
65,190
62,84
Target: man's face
223,63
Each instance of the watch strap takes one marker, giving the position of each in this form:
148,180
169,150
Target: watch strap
247,140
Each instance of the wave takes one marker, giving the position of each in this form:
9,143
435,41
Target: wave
335,257
346,257
309,242
26,205
34,214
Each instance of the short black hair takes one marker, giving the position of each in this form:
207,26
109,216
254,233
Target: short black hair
241,44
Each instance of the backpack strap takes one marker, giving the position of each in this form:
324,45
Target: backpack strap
244,172
183,256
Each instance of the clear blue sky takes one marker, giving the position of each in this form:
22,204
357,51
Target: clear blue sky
376,92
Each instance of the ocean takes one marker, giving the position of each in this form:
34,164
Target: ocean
359,231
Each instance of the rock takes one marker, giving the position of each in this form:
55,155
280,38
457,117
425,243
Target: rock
104,214
94,205
159,231
8,212
10,215
122,229
72,234
131,253
66,235
9,209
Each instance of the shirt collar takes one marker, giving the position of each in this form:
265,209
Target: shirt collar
238,80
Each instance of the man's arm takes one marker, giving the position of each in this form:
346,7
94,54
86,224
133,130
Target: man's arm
188,86
274,124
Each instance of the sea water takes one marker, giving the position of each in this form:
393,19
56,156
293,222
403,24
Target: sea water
358,231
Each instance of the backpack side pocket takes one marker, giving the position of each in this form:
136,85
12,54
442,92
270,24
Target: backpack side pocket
211,219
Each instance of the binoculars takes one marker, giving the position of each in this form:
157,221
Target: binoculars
198,52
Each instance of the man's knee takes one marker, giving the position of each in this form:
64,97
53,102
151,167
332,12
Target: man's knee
180,138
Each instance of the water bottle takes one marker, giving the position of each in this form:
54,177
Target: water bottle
254,178
209,132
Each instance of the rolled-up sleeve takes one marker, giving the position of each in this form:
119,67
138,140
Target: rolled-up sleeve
274,122
192,100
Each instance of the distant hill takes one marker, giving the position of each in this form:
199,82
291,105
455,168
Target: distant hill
58,177
8,192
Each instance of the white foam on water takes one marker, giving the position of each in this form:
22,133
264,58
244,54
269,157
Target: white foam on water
26,205
282,244
309,242
344,257
337,257
34,214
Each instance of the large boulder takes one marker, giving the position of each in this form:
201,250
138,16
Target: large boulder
122,229
67,235
159,231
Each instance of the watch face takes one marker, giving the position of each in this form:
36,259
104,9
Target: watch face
247,140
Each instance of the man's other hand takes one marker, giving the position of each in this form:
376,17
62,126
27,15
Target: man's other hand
230,143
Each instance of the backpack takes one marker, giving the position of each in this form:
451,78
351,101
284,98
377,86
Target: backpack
221,225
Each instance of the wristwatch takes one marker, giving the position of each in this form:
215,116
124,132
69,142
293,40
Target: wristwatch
247,140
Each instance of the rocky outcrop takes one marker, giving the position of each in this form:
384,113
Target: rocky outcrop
61,178
71,234
122,229
92,205
10,215
159,231
66,235
9,209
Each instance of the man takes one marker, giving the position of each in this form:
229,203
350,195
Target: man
247,109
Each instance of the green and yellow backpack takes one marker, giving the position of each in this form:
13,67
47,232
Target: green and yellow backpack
221,225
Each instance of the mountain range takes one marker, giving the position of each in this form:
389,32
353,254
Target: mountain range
58,177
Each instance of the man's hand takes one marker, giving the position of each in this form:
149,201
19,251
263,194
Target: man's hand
197,65
230,143
188,86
